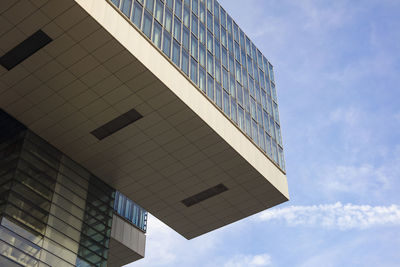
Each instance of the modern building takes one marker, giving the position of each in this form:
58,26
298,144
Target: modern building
108,106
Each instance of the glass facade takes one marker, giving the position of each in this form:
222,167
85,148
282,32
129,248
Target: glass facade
202,40
130,211
52,211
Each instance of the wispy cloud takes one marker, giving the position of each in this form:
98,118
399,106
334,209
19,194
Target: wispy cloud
249,261
335,216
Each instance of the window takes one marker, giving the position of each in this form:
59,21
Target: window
150,5
210,64
202,12
210,42
230,43
209,5
202,79
248,123
218,95
278,134
276,114
186,16
271,127
216,10
225,82
224,56
195,25
259,114
237,52
239,94
224,40
210,87
246,99
226,103
273,90
232,88
253,108
254,131
266,121
176,53
177,29
242,44
157,34
217,50
274,152
236,32
137,15
248,46
244,78
216,29
178,8
185,62
193,47
147,21
168,20
210,22
185,38
195,7
229,24
202,33
261,139
268,144
223,18
159,11
193,70
241,122
126,7
170,4
264,99
217,71
202,55
231,64
233,109
238,72
258,93
167,43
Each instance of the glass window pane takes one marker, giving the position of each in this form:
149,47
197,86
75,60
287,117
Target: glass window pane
147,21
193,47
185,62
159,11
233,110
185,38
218,95
126,7
167,43
157,34
195,6
193,70
150,5
202,12
210,63
226,104
170,4
186,16
178,8
177,29
195,25
176,53
202,55
241,118
137,15
202,79
210,87
168,20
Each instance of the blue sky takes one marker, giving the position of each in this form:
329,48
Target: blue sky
337,67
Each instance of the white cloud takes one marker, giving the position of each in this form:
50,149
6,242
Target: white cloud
335,216
249,261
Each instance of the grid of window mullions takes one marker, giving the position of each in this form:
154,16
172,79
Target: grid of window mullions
76,206
45,222
62,233
242,49
91,207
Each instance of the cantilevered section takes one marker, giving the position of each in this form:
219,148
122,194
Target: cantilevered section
97,68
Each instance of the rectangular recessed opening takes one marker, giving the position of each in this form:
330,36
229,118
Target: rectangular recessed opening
117,124
206,194
25,49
